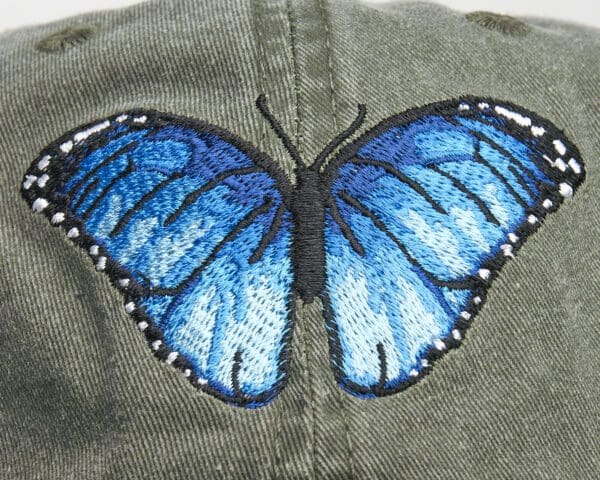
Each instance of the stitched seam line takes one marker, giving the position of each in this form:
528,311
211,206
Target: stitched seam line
298,119
310,403
262,59
262,56
328,27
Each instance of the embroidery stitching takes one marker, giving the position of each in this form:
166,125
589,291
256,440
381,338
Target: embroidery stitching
499,23
325,199
67,39
49,174
520,125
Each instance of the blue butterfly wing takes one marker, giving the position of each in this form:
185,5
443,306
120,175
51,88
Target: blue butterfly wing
424,210
192,224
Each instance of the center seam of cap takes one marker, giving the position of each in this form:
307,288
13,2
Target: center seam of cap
326,19
310,419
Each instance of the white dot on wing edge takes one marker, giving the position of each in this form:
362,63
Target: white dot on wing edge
57,218
560,147
171,358
521,120
565,190
574,164
44,162
67,146
39,205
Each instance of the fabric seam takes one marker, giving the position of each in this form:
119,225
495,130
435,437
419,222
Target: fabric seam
306,369
328,27
256,14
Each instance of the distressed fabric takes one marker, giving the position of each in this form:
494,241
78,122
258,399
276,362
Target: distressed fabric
79,397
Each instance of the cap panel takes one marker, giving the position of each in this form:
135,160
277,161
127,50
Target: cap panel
515,402
104,405
510,403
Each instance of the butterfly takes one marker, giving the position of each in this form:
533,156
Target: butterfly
398,234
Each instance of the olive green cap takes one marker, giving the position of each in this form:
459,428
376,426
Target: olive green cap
81,395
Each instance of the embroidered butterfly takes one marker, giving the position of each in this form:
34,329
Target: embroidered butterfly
399,234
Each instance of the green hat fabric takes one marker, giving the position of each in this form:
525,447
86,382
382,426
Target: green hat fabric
81,396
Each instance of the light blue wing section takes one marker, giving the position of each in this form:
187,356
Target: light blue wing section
425,209
237,310
192,223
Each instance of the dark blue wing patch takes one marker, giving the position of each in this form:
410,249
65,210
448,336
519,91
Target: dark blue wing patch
192,225
425,209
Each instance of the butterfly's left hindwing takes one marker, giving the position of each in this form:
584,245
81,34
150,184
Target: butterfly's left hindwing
424,210
192,225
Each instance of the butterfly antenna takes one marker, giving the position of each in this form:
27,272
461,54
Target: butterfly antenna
261,104
342,137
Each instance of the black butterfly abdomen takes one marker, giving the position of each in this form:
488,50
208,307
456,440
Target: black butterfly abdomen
308,254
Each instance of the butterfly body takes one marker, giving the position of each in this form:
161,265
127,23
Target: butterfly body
308,207
399,234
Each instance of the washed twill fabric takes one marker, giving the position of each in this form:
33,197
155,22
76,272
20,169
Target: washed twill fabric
245,239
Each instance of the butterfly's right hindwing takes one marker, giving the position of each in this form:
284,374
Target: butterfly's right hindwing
192,224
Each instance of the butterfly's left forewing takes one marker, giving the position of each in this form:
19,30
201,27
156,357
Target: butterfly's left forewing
424,210
192,225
